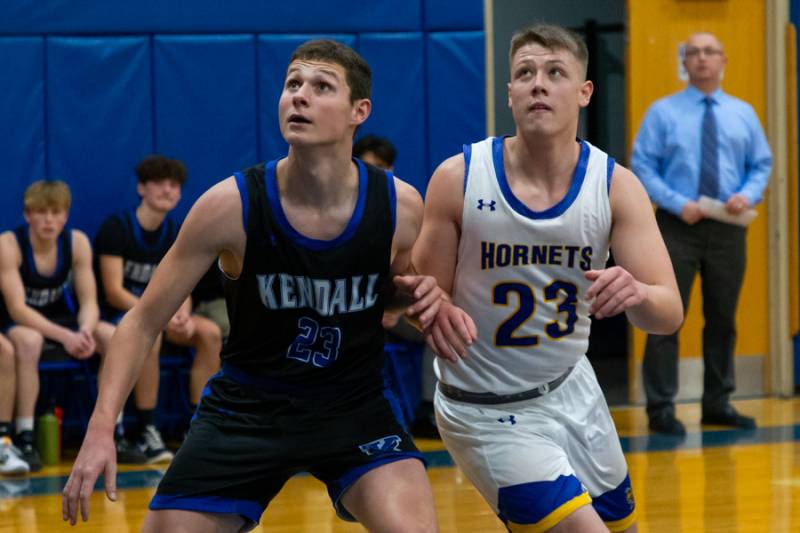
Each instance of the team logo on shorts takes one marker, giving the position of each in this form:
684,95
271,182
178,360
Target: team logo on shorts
382,445
511,420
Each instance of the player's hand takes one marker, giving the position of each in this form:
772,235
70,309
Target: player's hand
426,294
77,346
88,341
737,204
97,456
181,325
451,332
613,291
691,213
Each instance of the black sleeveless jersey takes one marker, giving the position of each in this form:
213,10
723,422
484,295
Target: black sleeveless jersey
305,314
141,251
53,296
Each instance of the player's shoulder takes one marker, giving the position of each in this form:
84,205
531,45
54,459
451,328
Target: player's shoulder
218,207
221,196
626,187
622,172
8,238
9,248
405,191
78,237
450,172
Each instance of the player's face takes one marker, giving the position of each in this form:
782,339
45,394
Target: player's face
547,90
162,195
704,58
315,107
46,223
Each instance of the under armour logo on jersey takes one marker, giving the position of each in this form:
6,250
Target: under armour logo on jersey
382,445
483,203
511,420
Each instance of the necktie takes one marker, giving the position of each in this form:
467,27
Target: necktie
709,153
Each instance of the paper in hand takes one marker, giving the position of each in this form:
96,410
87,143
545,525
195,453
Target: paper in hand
715,209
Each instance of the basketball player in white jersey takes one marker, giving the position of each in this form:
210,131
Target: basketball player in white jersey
518,230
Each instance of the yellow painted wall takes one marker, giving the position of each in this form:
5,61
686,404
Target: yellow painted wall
656,28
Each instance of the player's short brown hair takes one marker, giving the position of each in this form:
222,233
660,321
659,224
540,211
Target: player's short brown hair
553,37
47,194
357,72
158,167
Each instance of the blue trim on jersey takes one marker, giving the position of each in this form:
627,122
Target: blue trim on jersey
243,196
467,158
522,209
392,198
609,171
336,489
273,197
250,510
529,503
68,300
136,228
61,252
616,504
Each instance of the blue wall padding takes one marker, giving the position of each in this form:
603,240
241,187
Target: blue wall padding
99,120
205,106
398,99
274,52
22,151
448,15
209,16
201,82
456,93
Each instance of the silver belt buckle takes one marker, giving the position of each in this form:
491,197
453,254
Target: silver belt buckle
544,389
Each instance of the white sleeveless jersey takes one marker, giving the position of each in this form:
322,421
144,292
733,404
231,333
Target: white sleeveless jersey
520,273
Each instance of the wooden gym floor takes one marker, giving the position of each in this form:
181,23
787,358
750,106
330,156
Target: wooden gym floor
715,480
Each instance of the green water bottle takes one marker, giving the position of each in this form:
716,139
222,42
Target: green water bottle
47,438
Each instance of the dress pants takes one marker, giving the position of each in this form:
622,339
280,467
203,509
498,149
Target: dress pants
717,252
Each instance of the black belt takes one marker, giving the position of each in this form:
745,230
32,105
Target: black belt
455,393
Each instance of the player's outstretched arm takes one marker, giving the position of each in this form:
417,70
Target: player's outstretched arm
643,282
213,228
435,253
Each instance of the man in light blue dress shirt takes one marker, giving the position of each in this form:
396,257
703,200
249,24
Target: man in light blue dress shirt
701,142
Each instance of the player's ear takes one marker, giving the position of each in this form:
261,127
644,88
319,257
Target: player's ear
361,110
586,90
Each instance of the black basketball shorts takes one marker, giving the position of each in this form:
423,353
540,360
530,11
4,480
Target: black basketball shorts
243,445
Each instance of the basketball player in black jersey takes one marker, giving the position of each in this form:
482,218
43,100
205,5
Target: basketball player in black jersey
129,246
307,243
50,296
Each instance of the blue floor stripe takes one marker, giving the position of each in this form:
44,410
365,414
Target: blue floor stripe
38,486
711,439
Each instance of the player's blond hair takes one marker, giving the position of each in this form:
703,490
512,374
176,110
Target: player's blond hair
47,194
